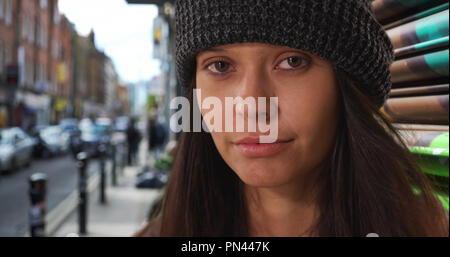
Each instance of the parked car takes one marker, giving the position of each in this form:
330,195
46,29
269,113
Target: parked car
93,135
104,125
16,149
70,126
121,124
51,141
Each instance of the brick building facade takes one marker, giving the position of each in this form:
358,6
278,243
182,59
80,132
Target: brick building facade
36,38
61,74
7,55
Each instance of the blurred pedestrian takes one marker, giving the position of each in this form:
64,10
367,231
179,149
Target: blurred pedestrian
157,133
133,140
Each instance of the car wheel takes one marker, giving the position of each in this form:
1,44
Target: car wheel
28,164
45,153
14,165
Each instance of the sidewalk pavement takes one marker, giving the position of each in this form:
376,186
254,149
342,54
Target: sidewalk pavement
126,208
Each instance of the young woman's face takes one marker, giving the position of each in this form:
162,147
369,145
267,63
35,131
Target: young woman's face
308,109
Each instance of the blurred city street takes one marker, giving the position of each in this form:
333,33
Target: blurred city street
126,208
123,215
81,94
62,176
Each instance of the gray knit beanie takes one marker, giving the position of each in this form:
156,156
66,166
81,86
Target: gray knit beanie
344,32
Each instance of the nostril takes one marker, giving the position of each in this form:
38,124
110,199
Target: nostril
268,110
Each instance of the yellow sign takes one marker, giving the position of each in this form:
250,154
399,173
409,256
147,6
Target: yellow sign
157,33
60,104
61,72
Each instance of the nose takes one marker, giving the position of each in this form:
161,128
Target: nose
255,83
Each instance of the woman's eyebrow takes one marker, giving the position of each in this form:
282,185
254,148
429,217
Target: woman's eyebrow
212,50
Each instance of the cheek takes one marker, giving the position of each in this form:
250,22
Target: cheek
315,106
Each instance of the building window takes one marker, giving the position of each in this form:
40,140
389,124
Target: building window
23,72
31,30
8,14
8,57
38,33
56,16
46,39
27,29
56,47
43,32
44,73
43,4
2,9
30,73
26,72
41,35
38,73
1,56
24,26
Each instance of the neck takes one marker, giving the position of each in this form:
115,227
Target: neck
288,210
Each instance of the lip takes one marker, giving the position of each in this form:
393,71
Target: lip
251,147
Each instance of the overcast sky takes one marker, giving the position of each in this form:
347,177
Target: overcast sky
123,31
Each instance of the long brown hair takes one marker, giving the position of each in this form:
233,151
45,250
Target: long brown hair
367,185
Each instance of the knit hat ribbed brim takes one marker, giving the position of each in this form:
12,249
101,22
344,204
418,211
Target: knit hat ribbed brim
344,32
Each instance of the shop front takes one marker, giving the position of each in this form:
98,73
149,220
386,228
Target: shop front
31,110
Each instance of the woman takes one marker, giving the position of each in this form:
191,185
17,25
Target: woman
338,167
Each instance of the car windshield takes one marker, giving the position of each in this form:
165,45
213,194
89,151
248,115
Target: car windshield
68,124
6,137
51,132
102,128
122,120
94,129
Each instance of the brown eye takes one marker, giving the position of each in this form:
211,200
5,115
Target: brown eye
219,67
292,63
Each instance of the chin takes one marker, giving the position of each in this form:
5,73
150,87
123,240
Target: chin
262,174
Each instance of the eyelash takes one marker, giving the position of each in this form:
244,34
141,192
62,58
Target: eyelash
216,61
307,60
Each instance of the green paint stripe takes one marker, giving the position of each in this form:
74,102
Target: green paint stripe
432,11
441,141
431,43
443,199
418,16
434,166
434,159
423,150
438,62
433,27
